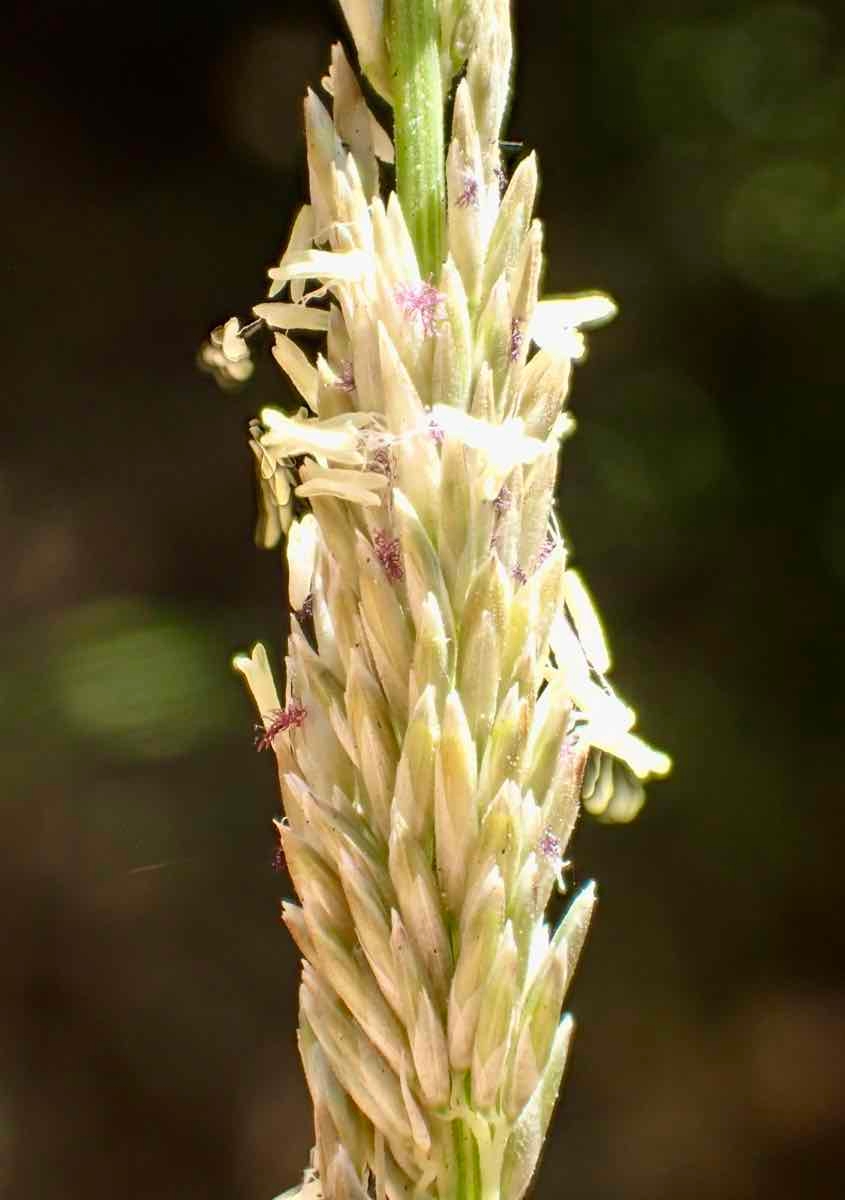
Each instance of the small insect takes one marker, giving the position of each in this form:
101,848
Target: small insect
281,719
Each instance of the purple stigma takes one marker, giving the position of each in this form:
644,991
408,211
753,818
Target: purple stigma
380,459
572,743
545,550
346,379
389,554
307,610
469,196
503,500
550,847
435,430
517,339
421,302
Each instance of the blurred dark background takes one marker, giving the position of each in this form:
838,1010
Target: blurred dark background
692,159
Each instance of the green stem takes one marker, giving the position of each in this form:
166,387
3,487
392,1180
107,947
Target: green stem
466,1153
414,38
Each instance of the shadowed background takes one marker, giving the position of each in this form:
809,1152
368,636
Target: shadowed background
692,166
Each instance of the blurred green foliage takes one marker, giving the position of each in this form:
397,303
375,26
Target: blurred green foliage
142,681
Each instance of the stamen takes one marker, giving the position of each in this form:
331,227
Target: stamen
389,554
253,327
421,302
277,862
518,574
281,720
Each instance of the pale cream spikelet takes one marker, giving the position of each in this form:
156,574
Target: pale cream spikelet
446,707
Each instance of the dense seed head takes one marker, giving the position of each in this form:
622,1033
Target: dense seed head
446,698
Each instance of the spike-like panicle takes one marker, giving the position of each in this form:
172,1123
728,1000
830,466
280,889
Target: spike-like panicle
446,704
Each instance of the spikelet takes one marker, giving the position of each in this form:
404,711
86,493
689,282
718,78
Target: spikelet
446,705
